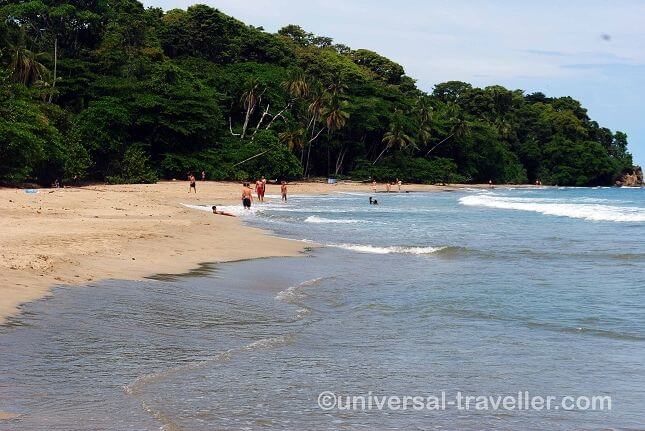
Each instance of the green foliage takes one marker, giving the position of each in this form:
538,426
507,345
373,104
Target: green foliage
410,170
578,163
267,157
382,67
141,92
133,168
28,140
273,160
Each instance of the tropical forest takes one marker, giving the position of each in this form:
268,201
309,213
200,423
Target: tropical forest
111,91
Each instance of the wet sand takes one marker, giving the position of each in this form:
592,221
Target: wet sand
82,234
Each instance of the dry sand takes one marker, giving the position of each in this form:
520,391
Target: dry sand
77,235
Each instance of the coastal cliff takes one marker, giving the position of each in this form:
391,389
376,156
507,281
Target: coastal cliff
633,178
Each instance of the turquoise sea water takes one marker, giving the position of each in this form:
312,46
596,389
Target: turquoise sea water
483,293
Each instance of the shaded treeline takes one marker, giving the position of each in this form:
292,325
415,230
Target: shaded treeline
109,90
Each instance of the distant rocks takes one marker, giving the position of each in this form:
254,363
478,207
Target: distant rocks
631,179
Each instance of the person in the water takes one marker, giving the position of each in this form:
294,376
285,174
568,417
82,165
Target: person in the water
247,196
373,201
260,188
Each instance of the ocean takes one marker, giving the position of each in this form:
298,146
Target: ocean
411,308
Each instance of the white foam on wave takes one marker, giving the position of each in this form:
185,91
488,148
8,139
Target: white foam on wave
237,210
353,193
592,212
294,293
387,249
316,219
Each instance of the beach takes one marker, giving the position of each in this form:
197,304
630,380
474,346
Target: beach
473,292
75,235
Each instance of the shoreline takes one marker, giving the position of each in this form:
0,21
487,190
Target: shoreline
73,236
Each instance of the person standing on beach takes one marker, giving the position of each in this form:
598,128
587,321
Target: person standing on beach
193,186
283,191
247,196
374,186
387,187
203,175
398,183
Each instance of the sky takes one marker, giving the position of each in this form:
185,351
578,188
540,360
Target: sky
592,50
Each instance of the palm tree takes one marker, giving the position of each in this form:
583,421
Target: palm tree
424,110
337,87
316,105
250,99
293,138
504,127
424,134
25,66
335,116
395,138
315,109
297,85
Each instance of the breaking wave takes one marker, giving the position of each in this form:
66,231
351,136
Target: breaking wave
387,250
592,212
293,294
316,219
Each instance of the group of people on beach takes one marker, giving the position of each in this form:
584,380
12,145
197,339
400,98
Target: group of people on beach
247,192
388,185
260,190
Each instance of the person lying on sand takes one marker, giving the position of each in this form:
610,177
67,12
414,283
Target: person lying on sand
222,212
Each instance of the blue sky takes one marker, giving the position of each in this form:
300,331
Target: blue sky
592,50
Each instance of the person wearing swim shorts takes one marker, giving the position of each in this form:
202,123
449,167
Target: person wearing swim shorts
192,180
260,187
283,191
247,196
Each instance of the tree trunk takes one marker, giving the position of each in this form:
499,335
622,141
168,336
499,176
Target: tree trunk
279,114
51,93
387,147
309,147
441,142
340,159
230,127
307,165
264,114
246,122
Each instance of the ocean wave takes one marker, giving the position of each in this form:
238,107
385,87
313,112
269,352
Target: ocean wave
592,212
137,386
237,210
353,193
293,294
386,249
316,219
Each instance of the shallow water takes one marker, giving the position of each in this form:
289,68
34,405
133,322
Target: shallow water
479,292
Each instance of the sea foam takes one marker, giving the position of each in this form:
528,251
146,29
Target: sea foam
322,220
592,212
387,250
